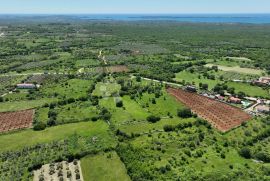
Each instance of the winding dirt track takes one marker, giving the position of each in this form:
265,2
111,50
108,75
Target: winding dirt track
220,115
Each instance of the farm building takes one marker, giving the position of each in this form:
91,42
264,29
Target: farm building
219,97
235,100
191,88
263,81
263,109
26,86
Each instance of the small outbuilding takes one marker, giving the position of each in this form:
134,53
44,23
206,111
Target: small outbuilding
235,100
191,88
263,109
26,86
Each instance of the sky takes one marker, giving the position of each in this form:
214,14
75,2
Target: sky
133,6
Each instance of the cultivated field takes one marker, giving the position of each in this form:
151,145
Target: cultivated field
103,167
116,69
59,171
16,120
220,115
237,69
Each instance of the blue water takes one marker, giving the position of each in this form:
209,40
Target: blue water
203,18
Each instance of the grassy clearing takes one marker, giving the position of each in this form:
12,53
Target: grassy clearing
22,105
145,127
106,89
235,76
87,62
164,104
76,112
131,111
104,167
42,114
29,137
249,89
193,78
74,88
238,69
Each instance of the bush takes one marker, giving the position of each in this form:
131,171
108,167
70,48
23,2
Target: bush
153,119
263,156
184,113
51,122
168,128
245,152
94,119
119,104
39,126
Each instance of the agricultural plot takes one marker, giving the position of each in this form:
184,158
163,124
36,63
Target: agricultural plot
106,89
23,105
87,63
140,48
194,78
104,167
74,88
10,121
60,171
116,69
250,90
18,140
119,57
238,69
41,79
235,76
7,83
75,112
36,65
220,115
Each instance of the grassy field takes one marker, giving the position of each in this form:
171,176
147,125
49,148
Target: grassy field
164,104
131,112
145,127
249,89
104,167
22,105
235,76
76,112
238,69
29,137
106,89
193,77
87,62
74,88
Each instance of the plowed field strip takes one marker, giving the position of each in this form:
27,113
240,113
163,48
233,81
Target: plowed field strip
10,121
222,116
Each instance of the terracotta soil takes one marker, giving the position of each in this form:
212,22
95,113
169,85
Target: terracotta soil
220,115
10,121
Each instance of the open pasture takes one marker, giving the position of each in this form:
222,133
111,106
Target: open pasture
103,167
10,121
220,115
237,69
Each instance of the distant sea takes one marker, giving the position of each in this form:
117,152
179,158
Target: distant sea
199,18
193,18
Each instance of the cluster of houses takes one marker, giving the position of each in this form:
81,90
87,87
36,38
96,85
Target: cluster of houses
252,105
263,81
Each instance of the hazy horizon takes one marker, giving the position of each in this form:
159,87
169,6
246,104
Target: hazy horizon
135,7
